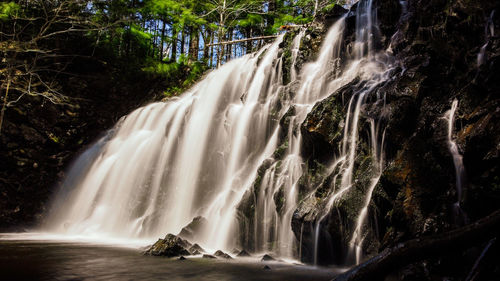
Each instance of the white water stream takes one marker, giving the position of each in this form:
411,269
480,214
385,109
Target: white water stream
196,155
373,68
457,157
459,214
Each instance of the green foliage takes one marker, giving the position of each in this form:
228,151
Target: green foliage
251,20
140,34
172,91
7,10
160,39
329,7
162,69
184,71
286,19
195,72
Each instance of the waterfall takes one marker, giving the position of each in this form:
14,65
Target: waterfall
449,116
295,52
167,162
489,32
282,176
373,68
457,157
200,153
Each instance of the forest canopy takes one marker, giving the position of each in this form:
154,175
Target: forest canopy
175,39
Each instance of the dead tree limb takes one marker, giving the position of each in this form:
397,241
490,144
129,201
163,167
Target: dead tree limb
417,249
5,100
242,40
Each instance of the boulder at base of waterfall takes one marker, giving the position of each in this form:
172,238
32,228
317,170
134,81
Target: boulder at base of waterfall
208,257
170,246
221,254
267,258
196,250
193,229
266,267
243,253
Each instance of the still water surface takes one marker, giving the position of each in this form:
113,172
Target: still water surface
55,260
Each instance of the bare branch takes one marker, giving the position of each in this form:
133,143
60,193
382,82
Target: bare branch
242,40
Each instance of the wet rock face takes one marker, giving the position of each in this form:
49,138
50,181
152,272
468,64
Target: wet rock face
440,53
39,140
196,249
222,255
170,246
193,229
243,253
267,257
331,234
323,128
328,16
436,46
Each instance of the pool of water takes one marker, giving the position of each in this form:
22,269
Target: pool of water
72,260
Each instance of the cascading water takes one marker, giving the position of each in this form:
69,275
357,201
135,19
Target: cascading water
489,32
457,163
167,162
373,69
198,154
295,52
271,223
457,157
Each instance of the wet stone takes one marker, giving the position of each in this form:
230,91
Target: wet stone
267,257
170,246
243,253
221,254
193,229
196,249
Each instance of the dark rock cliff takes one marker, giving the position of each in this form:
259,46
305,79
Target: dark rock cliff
444,50
40,139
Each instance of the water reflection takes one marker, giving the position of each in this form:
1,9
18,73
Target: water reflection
36,260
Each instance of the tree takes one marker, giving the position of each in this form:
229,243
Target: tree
228,12
139,33
32,33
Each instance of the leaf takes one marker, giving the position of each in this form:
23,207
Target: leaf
7,10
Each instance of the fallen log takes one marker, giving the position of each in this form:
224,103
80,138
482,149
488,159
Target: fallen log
417,249
242,40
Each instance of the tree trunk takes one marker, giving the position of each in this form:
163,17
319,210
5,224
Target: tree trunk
417,249
162,39
155,30
6,98
196,47
271,12
193,44
175,33
229,45
183,40
220,50
249,43
207,39
212,38
189,41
